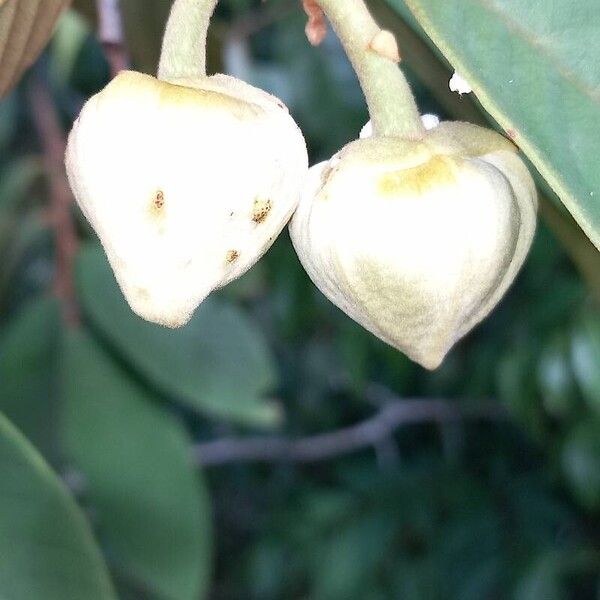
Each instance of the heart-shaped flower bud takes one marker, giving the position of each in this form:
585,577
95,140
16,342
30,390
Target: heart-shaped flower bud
417,240
187,183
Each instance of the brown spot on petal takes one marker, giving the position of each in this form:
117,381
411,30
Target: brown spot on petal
231,256
261,209
437,171
157,204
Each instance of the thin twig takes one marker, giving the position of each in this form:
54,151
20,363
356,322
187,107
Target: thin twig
52,139
110,33
343,441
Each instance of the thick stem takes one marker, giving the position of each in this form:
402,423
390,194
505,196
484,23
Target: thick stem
391,104
184,44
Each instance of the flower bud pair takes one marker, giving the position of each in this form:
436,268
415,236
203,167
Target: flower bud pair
188,181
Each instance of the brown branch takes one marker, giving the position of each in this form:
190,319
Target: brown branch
110,33
370,432
52,139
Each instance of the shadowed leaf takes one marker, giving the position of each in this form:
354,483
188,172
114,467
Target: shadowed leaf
150,504
47,549
218,363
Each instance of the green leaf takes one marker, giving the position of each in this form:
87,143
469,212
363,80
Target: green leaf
218,363
151,505
533,67
585,356
28,347
47,549
581,462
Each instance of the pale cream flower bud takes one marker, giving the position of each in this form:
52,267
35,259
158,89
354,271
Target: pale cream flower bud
418,240
186,182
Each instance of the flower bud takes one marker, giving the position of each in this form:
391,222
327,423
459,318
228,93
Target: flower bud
186,182
418,240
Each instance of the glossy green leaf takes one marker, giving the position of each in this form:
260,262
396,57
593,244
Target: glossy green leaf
534,68
151,506
28,345
218,363
47,549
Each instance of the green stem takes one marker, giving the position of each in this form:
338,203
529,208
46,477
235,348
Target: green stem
184,43
391,104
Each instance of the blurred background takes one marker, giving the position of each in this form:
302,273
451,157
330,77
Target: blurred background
325,465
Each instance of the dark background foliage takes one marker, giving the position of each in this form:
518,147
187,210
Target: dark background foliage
493,493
